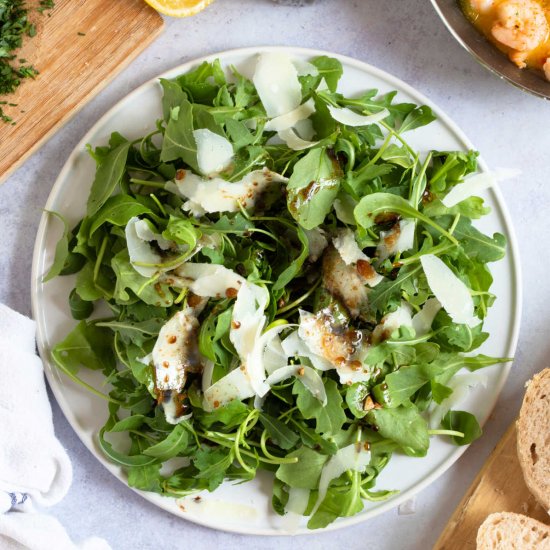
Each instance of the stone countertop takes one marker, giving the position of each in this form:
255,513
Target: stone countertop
406,39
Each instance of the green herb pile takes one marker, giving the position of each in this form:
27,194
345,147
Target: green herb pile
14,26
371,169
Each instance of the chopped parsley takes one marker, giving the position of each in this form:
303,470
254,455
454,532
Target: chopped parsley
14,27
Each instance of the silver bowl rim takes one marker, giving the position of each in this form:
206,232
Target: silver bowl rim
486,53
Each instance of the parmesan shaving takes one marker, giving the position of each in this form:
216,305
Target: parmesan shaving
218,195
288,120
350,118
422,321
295,142
451,292
276,80
209,280
140,251
475,183
214,152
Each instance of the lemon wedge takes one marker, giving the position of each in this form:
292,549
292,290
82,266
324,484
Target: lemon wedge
178,8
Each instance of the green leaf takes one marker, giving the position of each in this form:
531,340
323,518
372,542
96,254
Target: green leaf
182,231
174,443
330,69
108,174
179,142
402,384
212,465
172,97
305,473
372,206
405,426
311,438
388,293
118,210
88,346
419,116
230,415
279,432
121,458
80,309
145,478
294,267
338,502
128,278
478,246
462,421
130,423
355,397
395,154
313,186
136,332
61,250
330,417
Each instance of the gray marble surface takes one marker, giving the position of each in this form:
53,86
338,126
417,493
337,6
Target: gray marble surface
405,38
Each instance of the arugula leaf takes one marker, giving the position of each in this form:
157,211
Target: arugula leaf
338,502
172,96
387,294
405,426
370,207
330,69
279,432
174,444
305,473
145,478
80,309
109,173
419,116
330,417
118,210
61,250
230,415
121,458
313,187
212,464
88,346
462,421
179,142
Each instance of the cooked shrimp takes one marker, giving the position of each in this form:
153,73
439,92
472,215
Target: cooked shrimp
522,26
482,6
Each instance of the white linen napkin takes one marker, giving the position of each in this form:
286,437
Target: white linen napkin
34,467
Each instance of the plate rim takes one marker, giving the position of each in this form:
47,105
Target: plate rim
400,85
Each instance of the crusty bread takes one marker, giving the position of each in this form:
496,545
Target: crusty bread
508,531
533,427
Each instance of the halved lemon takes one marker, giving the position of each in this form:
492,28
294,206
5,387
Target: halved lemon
179,8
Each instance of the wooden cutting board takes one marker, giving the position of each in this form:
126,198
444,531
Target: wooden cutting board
499,487
78,49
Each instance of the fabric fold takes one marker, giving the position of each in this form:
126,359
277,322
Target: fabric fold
35,470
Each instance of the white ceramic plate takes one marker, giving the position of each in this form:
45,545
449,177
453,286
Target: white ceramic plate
246,508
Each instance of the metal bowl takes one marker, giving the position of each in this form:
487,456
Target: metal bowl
486,53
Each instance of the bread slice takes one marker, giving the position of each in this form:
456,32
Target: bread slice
533,427
508,531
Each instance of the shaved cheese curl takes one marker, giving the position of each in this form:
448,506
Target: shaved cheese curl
276,80
214,152
351,118
451,292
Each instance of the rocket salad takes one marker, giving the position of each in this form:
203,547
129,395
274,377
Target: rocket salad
291,287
